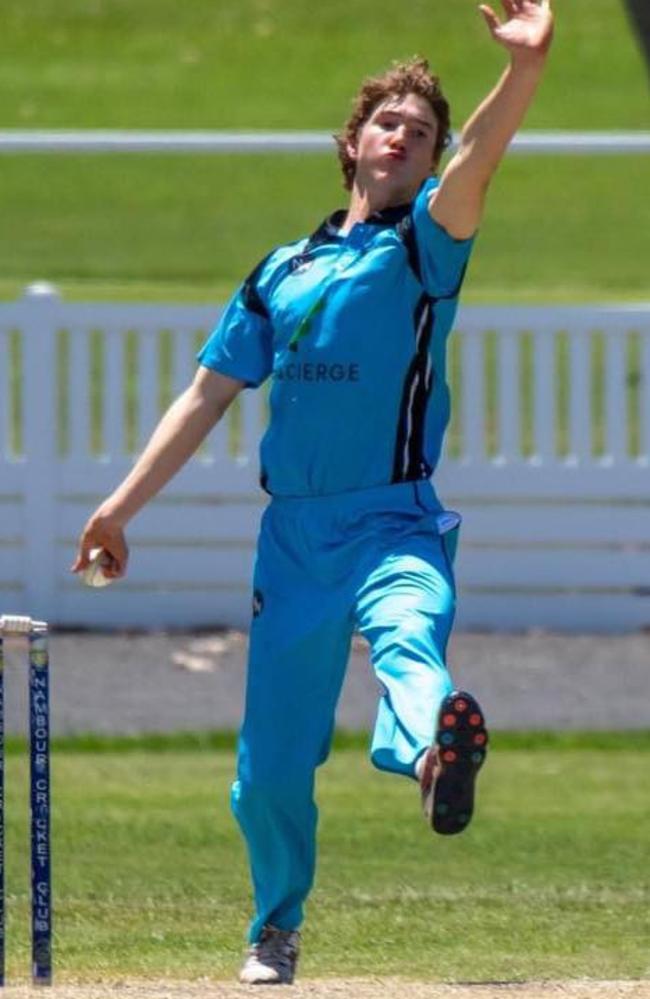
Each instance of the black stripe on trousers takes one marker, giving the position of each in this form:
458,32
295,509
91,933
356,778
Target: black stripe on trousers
408,461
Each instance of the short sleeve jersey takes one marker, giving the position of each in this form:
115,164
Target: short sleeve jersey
351,329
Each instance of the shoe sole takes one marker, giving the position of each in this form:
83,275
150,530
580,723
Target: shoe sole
462,739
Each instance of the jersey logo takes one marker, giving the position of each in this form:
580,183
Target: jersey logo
299,265
305,324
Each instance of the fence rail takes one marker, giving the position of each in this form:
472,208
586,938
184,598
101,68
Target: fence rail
150,141
547,458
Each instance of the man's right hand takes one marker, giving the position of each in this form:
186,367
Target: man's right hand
102,531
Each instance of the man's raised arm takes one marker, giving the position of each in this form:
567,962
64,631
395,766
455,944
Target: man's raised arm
526,33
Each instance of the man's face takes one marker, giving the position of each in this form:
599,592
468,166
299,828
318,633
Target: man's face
394,148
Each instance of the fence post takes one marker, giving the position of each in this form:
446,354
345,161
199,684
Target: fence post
39,397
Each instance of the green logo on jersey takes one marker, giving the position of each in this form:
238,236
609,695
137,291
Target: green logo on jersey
305,324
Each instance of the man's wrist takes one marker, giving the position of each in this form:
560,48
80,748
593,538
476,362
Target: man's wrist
111,515
527,62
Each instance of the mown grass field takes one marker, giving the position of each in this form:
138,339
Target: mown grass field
188,228
282,63
551,880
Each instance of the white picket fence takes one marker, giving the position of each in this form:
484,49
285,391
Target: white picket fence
548,460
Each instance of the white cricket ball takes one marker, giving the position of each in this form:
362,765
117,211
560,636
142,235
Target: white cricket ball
93,575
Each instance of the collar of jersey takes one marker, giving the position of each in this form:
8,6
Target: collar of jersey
328,230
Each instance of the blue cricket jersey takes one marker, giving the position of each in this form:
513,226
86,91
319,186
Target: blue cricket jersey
352,331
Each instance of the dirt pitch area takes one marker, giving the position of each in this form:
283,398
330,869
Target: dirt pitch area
179,682
354,988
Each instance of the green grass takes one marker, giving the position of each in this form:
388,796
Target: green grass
188,228
284,63
537,740
551,881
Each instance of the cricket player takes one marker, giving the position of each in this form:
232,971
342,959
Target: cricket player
350,324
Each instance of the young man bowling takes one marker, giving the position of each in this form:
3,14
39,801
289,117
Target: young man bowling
350,324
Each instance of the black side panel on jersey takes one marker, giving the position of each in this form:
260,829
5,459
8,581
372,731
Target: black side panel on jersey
250,294
406,231
408,461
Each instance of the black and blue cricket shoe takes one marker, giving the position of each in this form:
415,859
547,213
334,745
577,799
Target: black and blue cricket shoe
452,764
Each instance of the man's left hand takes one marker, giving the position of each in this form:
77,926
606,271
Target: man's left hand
527,30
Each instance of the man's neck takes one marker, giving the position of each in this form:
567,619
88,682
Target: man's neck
364,203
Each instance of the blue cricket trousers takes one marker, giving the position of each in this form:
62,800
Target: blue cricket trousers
375,561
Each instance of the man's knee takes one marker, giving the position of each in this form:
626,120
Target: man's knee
263,805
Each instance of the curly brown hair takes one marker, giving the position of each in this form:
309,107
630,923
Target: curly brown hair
410,77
